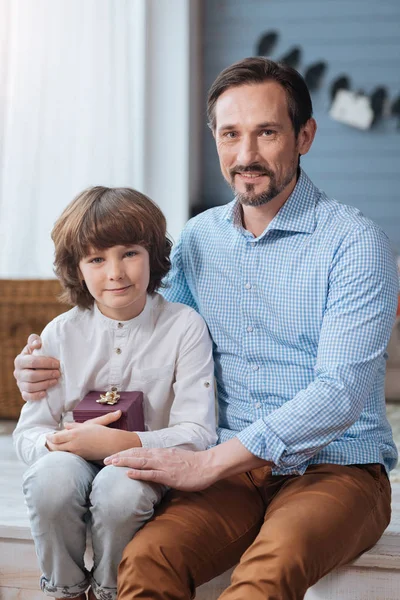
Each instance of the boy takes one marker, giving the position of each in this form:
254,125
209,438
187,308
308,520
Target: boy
111,253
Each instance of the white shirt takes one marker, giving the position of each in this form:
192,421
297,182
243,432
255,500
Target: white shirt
165,352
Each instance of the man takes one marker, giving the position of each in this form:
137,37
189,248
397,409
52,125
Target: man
299,293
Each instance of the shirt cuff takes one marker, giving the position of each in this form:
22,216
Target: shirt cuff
258,439
150,439
40,445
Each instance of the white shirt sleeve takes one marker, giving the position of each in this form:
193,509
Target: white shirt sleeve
40,417
192,417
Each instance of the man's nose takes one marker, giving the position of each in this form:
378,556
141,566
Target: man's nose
247,151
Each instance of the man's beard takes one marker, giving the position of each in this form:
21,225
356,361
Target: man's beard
275,187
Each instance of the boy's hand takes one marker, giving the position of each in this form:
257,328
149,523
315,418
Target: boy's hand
92,440
35,374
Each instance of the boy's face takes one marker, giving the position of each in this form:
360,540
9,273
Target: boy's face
117,278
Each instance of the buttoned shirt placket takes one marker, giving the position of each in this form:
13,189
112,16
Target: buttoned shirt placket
120,332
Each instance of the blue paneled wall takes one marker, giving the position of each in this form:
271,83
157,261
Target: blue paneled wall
359,38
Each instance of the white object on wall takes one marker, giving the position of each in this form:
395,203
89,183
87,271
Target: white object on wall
352,109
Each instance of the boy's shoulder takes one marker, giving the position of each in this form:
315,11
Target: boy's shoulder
75,317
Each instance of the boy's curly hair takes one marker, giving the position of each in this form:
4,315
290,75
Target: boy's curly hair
101,217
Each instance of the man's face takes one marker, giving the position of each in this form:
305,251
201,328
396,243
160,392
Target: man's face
256,144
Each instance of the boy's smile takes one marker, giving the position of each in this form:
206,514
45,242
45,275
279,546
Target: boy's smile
117,278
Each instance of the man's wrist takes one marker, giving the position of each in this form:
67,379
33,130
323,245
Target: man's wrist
229,458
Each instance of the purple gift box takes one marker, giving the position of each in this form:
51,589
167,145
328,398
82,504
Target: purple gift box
130,404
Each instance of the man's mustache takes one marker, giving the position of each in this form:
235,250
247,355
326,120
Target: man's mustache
253,168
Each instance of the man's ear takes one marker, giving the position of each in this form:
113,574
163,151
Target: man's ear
306,136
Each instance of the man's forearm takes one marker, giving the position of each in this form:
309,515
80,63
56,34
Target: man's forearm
231,458
187,470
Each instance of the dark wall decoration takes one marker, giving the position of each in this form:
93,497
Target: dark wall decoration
378,100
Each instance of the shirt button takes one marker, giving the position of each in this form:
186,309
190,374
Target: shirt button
118,350
255,367
252,244
207,384
247,286
114,388
249,329
258,405
120,325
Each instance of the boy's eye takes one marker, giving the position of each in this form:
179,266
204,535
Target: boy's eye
130,253
96,260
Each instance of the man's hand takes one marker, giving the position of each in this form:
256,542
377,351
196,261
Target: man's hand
35,374
179,469
93,440
185,470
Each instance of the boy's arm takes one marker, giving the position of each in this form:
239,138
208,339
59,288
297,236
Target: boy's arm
37,419
35,422
192,414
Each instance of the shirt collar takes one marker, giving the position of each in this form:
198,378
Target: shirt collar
113,324
297,214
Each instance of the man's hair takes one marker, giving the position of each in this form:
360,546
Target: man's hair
258,70
100,218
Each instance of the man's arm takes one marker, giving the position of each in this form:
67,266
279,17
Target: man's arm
359,315
356,326
186,470
35,374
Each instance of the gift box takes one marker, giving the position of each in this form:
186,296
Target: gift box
95,404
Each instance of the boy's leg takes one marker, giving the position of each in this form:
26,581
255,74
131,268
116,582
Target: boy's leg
315,523
192,538
56,491
119,507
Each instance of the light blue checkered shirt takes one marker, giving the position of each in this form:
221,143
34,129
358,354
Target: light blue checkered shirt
300,318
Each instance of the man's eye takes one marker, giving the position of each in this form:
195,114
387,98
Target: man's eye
230,135
267,132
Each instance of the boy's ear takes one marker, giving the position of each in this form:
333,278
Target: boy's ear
80,276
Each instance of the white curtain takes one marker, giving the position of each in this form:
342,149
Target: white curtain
68,115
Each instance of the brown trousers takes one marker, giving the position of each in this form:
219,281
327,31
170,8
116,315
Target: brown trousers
287,532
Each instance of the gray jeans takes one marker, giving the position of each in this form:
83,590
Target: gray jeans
64,494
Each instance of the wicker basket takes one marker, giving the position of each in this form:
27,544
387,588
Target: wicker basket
26,306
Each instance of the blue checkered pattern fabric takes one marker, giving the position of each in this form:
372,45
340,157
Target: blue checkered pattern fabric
300,318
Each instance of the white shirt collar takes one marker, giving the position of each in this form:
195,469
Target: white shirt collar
143,318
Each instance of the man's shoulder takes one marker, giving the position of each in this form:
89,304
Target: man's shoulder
345,219
208,218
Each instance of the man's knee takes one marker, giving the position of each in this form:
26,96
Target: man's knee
154,550
154,545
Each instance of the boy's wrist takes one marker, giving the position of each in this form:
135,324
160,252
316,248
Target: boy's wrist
126,440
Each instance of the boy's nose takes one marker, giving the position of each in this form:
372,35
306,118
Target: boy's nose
116,271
